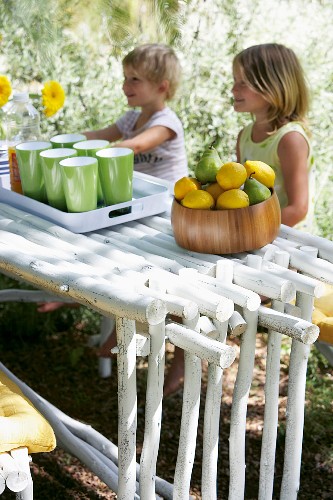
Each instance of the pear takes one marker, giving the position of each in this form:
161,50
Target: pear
208,166
256,191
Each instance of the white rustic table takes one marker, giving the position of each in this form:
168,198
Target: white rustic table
135,274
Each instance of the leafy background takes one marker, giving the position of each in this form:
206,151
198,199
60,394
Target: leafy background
81,44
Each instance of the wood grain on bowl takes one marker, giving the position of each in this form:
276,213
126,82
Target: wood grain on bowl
226,231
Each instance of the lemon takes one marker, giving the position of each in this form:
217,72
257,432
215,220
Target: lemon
198,199
214,189
261,172
184,186
231,175
233,198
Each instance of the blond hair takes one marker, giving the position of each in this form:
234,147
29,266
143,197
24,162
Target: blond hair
156,62
274,71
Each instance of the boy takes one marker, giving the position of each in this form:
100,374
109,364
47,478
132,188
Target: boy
154,133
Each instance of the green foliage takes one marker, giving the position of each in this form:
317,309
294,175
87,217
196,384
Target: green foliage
318,411
15,331
81,44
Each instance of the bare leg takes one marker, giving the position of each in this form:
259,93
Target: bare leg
175,376
104,350
53,306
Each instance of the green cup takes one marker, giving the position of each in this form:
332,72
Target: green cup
90,148
28,159
115,168
79,179
50,159
66,140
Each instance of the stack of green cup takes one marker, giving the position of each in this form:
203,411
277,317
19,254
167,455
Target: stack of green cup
90,148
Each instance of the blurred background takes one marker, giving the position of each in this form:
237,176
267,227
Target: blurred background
81,44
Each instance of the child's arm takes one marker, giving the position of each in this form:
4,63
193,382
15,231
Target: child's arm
149,139
293,152
110,134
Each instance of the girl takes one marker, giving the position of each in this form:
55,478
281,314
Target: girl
269,83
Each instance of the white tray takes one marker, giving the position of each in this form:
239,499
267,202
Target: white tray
150,197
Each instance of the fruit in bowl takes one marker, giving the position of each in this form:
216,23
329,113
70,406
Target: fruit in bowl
208,166
238,211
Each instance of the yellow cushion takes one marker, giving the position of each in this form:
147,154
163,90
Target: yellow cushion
323,315
20,423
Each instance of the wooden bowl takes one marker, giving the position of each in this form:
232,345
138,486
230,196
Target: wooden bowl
226,231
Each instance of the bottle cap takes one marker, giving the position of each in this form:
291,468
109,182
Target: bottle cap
21,97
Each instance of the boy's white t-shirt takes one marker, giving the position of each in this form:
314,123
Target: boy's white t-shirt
168,160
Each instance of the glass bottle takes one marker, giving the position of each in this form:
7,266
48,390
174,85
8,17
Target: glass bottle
22,124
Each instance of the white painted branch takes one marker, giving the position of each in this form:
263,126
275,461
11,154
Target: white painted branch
198,345
98,294
22,459
189,420
296,328
209,303
254,261
2,482
185,260
267,252
127,408
325,247
211,423
295,408
105,364
16,479
72,445
305,263
207,327
313,251
239,407
80,249
85,247
158,223
38,241
88,456
237,294
100,456
225,271
157,260
264,283
164,241
153,413
83,431
281,258
237,324
271,415
7,464
169,243
179,306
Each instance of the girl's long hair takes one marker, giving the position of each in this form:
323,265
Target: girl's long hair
275,72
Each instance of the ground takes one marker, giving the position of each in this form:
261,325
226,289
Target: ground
63,369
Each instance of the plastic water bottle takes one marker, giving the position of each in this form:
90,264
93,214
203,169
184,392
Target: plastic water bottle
22,124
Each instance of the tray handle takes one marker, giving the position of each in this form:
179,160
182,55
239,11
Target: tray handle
138,207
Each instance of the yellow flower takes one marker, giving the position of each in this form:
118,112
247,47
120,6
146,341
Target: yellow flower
53,97
5,90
